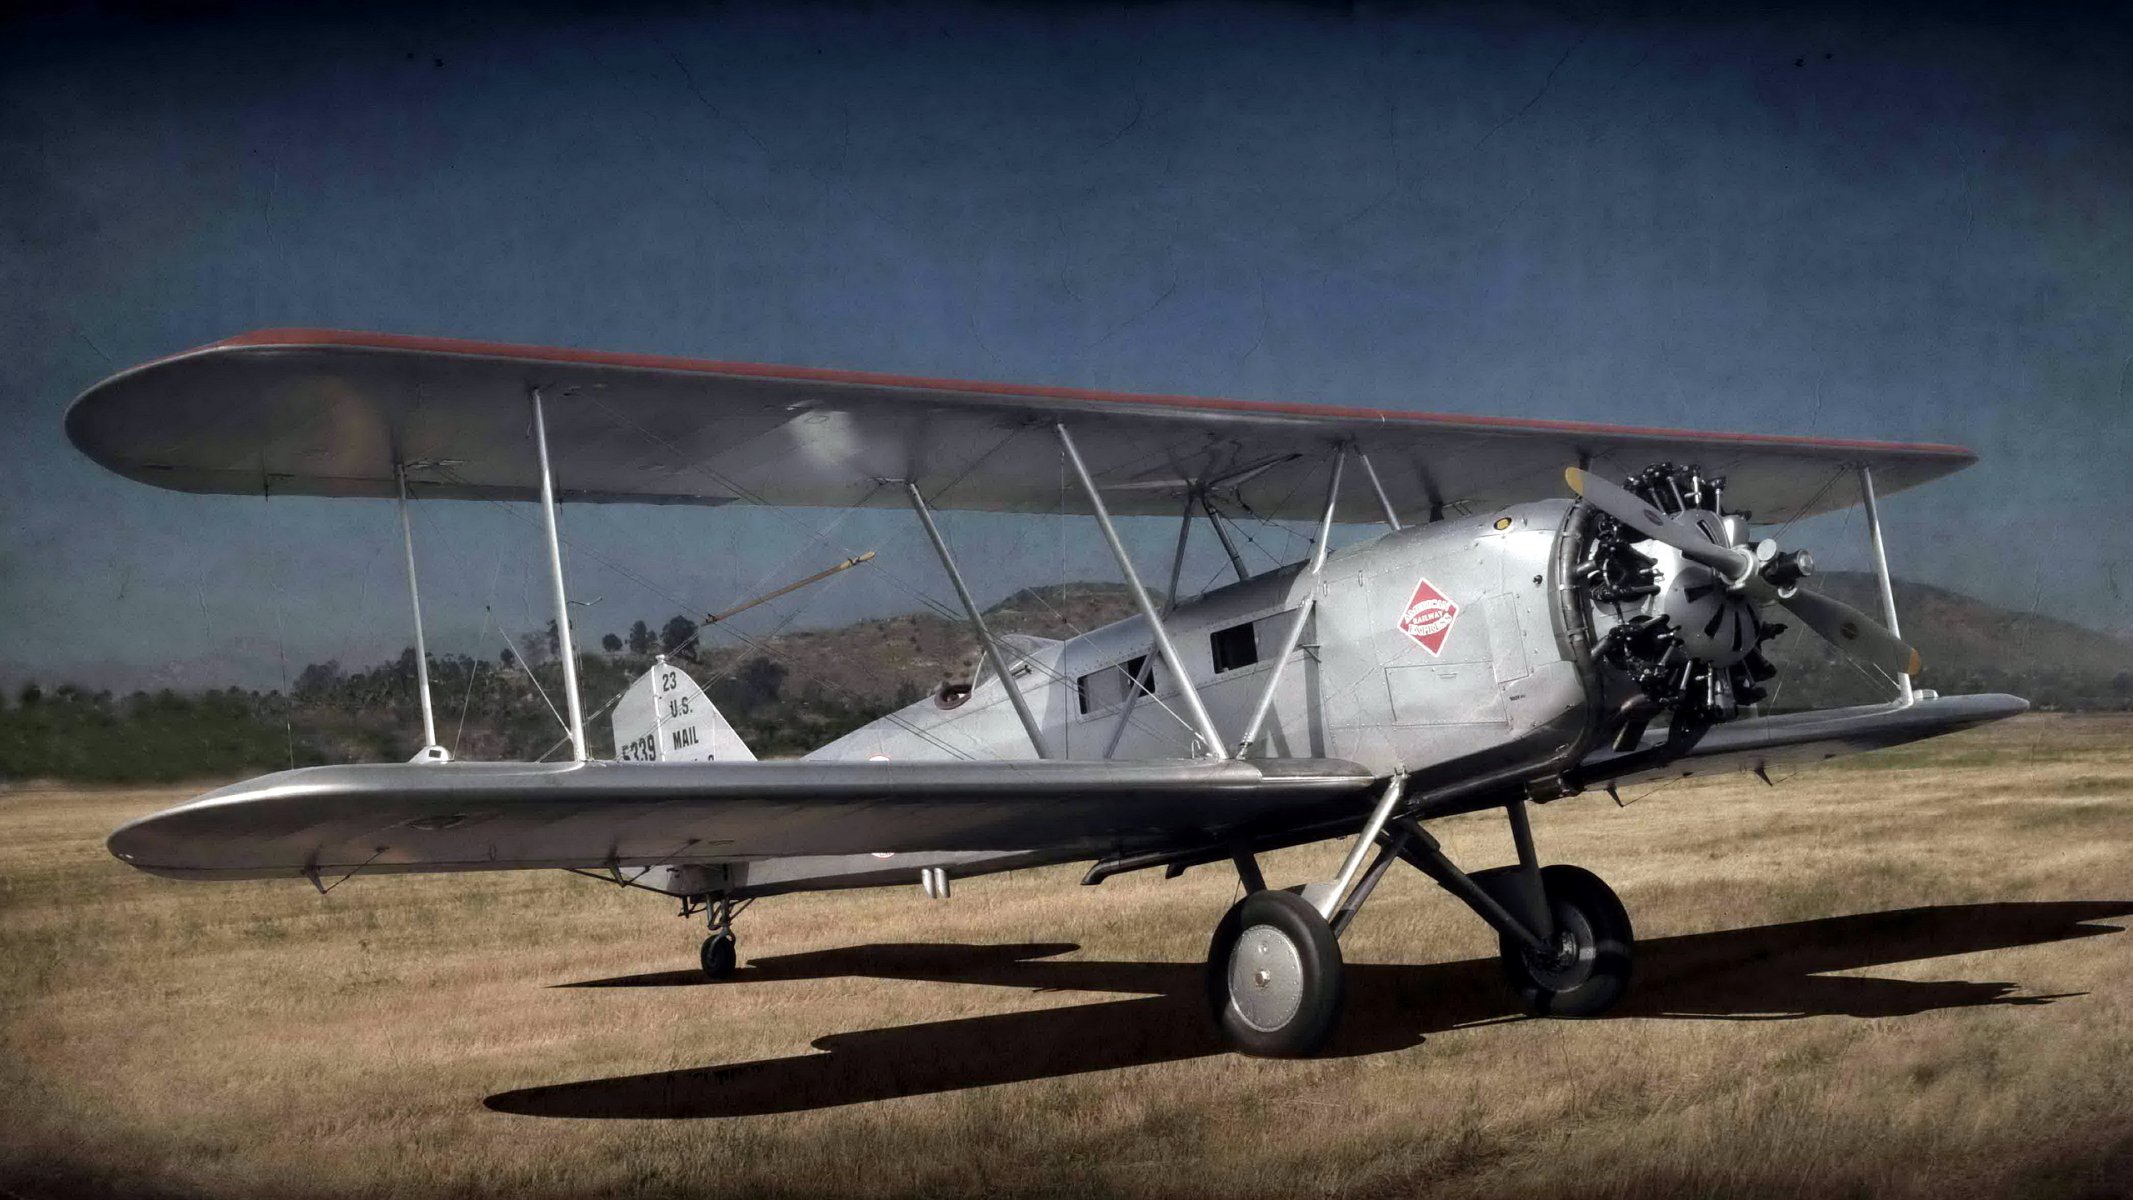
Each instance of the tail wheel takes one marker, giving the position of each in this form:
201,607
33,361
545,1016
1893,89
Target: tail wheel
1587,970
718,955
1274,976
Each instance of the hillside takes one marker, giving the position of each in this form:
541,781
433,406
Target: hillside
1968,646
797,690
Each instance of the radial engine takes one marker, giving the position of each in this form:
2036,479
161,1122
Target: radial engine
1676,589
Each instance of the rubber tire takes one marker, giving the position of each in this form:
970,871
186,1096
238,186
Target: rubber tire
1576,897
1323,979
718,956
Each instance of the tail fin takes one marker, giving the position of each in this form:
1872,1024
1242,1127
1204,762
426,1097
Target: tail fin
665,717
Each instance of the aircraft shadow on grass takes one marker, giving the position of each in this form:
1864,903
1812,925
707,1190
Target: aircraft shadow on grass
1770,972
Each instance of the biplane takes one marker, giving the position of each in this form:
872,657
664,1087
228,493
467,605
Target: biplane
1551,609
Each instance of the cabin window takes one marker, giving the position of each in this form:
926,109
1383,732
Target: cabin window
1099,690
1237,646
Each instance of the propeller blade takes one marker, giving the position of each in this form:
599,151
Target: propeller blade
1630,509
1852,631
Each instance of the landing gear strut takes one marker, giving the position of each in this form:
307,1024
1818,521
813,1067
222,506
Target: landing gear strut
1274,973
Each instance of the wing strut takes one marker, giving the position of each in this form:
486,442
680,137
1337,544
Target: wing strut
1236,560
431,751
1201,722
1385,502
1303,610
1146,678
555,576
977,624
1881,570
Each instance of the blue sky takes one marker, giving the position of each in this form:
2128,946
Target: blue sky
1799,221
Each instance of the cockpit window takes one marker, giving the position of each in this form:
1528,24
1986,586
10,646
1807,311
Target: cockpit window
1020,651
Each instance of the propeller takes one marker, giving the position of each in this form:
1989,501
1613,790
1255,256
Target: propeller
1853,631
1732,562
1766,576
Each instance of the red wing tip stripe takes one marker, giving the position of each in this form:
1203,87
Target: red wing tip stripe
417,344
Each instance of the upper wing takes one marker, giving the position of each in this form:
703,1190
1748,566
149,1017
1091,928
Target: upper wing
326,413
1799,738
479,816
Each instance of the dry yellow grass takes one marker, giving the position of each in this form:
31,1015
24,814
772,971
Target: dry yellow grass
1899,975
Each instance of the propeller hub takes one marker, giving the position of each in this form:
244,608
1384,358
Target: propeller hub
1785,571
1715,621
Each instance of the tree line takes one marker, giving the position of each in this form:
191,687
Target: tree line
505,708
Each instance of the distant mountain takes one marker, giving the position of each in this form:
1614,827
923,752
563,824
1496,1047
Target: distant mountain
1968,646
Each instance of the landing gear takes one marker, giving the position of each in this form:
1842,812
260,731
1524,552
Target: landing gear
1274,974
1274,977
718,955
1585,969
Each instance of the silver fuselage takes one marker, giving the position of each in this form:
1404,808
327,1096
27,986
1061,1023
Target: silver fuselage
1358,687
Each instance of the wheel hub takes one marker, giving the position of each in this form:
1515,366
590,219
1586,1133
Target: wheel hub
1266,978
1569,962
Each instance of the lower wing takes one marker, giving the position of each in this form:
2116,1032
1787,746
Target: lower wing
406,817
1794,739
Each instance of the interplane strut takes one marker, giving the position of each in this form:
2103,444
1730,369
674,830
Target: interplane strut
977,624
555,577
1294,633
1203,724
431,751
1881,569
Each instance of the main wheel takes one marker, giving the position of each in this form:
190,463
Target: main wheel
1274,976
1587,970
717,955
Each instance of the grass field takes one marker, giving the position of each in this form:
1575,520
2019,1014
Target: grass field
1902,974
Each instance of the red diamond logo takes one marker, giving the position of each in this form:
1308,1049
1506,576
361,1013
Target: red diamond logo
1429,617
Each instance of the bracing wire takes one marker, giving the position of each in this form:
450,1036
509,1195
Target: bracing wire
473,675
495,577
709,681
1812,501
741,493
511,644
925,599
758,646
